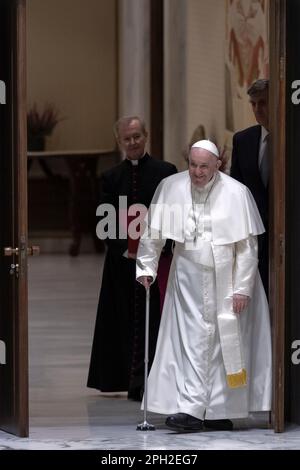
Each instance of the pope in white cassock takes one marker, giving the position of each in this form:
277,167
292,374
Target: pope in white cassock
213,354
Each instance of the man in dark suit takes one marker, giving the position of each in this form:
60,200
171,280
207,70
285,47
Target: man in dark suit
250,164
117,360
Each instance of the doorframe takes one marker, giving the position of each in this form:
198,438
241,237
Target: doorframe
21,196
277,215
277,207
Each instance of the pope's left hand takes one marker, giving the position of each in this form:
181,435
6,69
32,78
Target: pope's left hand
239,302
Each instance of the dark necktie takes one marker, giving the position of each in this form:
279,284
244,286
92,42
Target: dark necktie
264,168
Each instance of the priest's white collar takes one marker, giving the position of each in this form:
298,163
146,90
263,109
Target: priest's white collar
135,162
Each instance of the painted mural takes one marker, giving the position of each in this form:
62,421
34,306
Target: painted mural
246,57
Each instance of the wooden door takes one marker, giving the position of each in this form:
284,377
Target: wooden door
292,363
13,220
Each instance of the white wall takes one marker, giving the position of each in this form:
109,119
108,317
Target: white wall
194,73
205,87
72,57
175,102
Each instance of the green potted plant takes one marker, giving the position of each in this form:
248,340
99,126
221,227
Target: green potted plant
40,124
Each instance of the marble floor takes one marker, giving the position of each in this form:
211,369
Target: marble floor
64,414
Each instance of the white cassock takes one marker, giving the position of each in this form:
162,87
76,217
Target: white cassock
209,363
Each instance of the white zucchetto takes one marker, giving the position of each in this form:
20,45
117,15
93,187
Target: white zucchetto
207,145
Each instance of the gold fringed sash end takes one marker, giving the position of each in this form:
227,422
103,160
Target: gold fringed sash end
237,380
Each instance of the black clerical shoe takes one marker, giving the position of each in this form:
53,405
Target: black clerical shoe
184,422
218,424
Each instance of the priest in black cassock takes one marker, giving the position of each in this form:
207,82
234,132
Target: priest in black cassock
117,359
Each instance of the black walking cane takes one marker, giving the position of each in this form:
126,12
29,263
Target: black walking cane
145,426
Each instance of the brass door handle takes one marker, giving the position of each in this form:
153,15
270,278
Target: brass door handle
9,251
33,250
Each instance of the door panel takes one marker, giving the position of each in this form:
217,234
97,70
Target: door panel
277,108
13,216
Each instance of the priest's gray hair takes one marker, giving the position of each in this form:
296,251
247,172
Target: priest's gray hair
258,86
126,120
